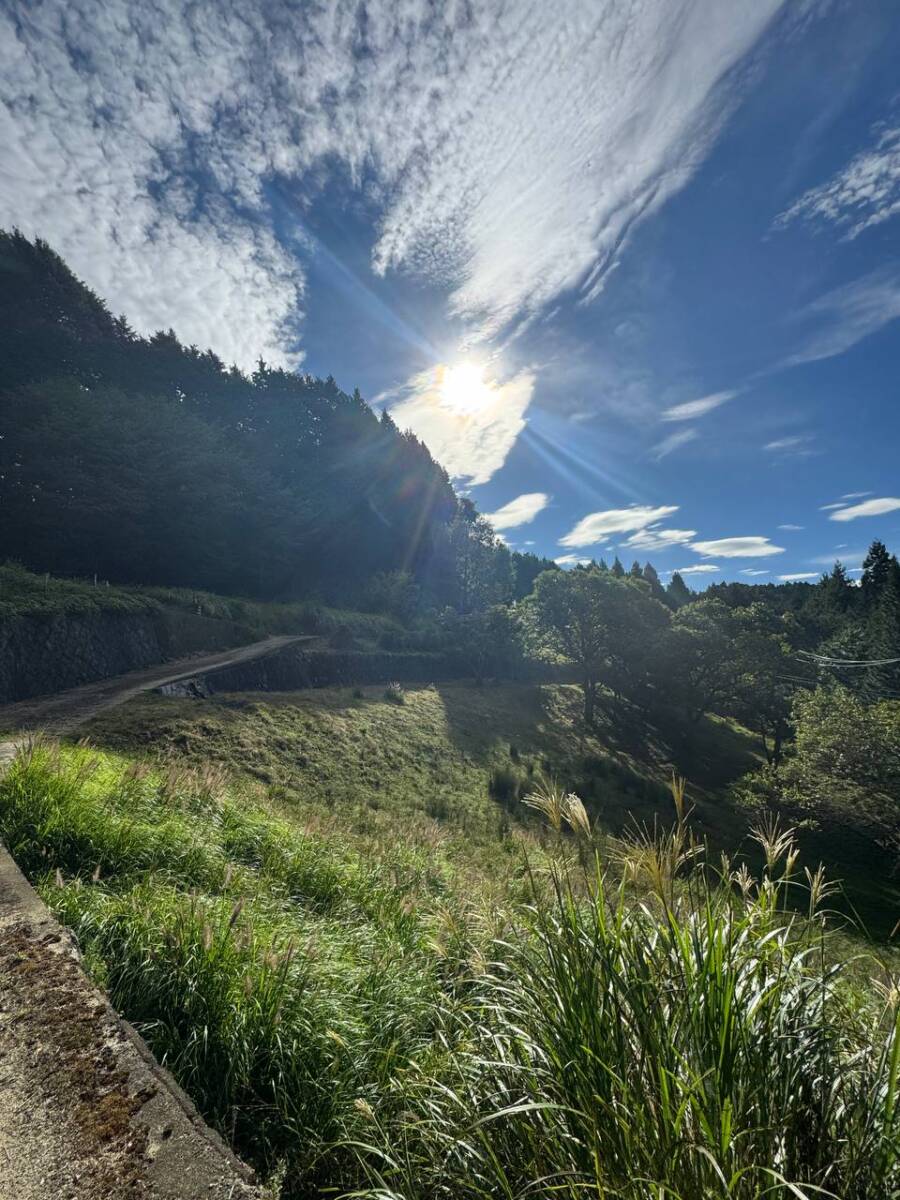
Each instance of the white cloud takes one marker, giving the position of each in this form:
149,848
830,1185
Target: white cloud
855,495
471,445
654,538
843,553
96,109
697,408
787,443
737,547
798,576
571,560
520,511
673,442
791,528
753,571
864,193
699,569
141,141
531,214
828,507
868,508
847,314
596,527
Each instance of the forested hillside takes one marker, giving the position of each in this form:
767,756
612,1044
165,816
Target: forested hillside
143,460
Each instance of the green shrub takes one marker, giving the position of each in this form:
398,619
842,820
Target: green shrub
505,785
394,694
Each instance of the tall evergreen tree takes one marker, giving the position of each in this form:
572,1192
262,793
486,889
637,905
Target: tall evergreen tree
650,575
836,589
617,569
876,570
883,681
678,591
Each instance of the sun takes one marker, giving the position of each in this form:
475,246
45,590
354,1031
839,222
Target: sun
463,388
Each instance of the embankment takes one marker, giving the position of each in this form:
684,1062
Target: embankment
47,653
296,667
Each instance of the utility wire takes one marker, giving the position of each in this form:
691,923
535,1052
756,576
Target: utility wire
824,660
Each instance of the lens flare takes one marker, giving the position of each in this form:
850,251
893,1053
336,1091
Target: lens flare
463,388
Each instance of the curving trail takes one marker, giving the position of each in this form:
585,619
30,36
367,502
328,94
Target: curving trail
60,713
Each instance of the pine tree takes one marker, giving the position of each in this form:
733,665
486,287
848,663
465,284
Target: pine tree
876,569
678,591
636,572
650,575
836,592
617,569
883,681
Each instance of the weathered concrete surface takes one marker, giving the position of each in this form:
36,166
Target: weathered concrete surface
85,1110
86,1113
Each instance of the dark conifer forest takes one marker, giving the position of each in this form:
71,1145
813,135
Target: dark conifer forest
142,460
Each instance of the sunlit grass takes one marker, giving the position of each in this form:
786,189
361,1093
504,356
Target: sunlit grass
619,1018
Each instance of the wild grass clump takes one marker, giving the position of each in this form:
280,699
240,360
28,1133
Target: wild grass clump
80,812
394,693
693,1043
285,982
277,1024
506,785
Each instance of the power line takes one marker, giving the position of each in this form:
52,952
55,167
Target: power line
824,660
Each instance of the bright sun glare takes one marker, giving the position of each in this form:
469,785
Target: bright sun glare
464,390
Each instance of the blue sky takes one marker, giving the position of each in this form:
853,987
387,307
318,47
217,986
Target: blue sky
632,270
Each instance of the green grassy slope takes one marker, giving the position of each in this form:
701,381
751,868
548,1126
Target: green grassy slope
26,594
461,754
364,995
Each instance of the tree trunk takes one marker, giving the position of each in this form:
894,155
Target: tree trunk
590,696
776,749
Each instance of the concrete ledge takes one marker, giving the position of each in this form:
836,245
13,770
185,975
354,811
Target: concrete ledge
86,1112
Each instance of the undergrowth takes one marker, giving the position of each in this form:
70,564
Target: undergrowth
24,593
626,1019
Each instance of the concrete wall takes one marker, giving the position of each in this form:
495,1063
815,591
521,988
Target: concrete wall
297,667
42,655
85,1110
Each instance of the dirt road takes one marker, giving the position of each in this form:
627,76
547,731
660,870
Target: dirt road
60,713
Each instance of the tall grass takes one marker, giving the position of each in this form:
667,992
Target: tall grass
283,980
694,1043
643,1027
